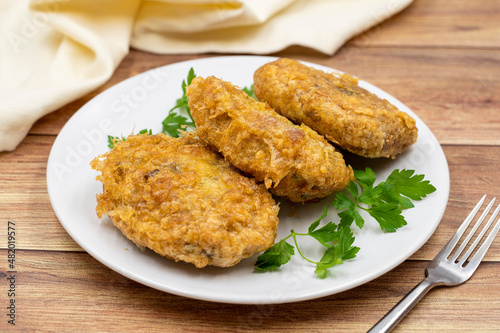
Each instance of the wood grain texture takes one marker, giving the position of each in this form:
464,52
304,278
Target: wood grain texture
440,58
24,197
65,291
440,24
473,173
451,90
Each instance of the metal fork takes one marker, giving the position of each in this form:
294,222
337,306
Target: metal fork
444,270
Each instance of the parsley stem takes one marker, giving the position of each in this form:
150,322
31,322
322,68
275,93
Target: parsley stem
297,234
189,114
293,234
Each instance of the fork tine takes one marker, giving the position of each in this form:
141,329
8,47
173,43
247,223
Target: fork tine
445,252
474,262
479,237
472,232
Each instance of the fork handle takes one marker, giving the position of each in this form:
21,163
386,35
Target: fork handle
393,317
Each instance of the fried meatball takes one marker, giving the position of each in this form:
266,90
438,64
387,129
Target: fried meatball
336,107
293,161
184,201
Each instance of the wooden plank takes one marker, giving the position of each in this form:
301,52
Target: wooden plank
473,173
58,291
438,23
459,103
24,198
440,59
445,309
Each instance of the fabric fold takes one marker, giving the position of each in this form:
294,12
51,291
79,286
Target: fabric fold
56,51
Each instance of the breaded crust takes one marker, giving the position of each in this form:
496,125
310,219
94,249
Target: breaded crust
293,161
336,107
184,201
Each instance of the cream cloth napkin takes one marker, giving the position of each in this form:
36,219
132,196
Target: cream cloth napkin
55,51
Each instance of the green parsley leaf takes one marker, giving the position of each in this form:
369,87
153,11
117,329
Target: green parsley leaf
351,215
249,91
405,183
328,260
336,255
190,77
373,196
315,224
346,239
146,131
347,208
388,216
277,255
342,201
352,188
113,140
365,178
390,195
326,234
176,121
383,202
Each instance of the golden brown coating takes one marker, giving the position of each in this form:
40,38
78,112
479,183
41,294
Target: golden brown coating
336,107
184,201
294,161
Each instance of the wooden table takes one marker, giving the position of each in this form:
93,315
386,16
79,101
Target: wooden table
440,58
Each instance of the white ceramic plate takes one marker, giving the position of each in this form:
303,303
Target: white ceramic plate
142,102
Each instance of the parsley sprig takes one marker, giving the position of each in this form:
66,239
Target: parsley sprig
337,241
113,140
175,121
384,202
249,91
179,117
